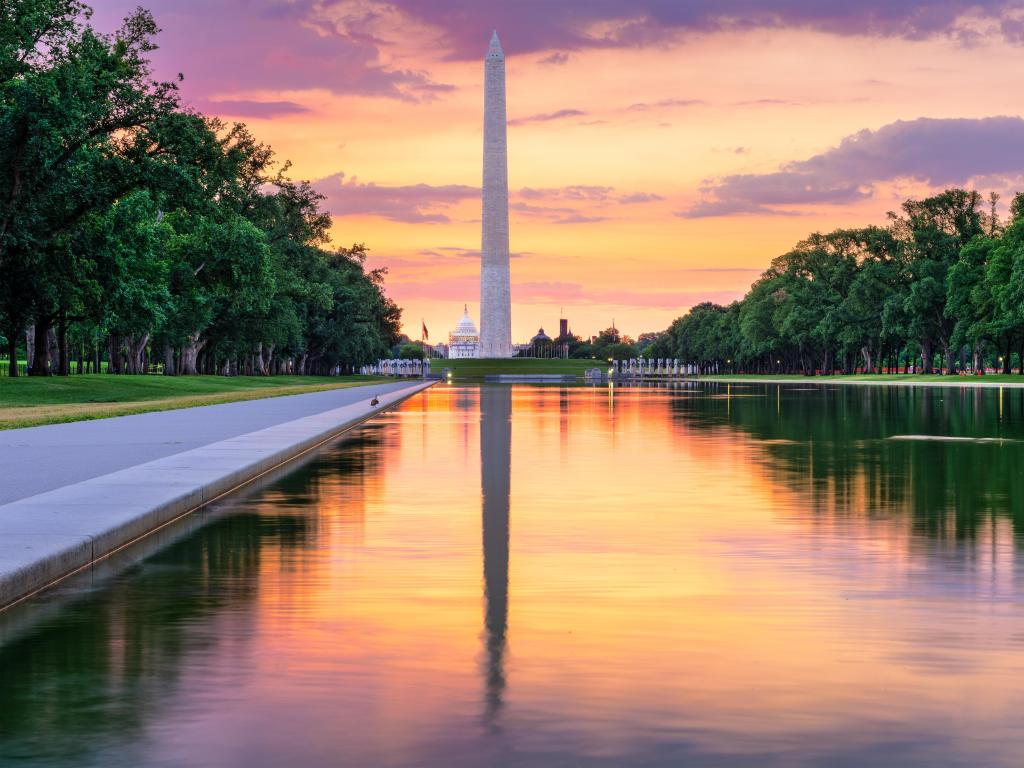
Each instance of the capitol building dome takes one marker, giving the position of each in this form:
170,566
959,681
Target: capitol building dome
464,341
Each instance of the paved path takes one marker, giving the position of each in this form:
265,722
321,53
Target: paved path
88,489
39,459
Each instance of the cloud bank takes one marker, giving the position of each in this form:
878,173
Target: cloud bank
429,204
567,25
410,204
937,152
344,46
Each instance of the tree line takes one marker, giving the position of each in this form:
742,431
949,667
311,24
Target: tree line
137,233
940,288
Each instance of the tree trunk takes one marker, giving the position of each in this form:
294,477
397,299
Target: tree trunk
136,347
168,360
259,366
926,357
63,358
950,355
113,354
51,339
269,360
869,366
41,358
190,354
12,350
30,345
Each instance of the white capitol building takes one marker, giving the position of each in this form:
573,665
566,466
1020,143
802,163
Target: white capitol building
464,341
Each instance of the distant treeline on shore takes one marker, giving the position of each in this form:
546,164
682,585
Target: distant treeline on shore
136,234
941,288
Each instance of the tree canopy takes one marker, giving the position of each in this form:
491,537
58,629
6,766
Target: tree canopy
143,233
940,287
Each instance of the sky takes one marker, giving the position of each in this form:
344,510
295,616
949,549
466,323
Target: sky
661,152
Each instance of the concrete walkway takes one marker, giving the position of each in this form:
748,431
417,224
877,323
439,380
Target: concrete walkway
79,492
38,459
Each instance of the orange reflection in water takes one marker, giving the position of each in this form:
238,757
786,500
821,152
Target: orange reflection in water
659,579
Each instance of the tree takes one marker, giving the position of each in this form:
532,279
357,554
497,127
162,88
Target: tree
970,300
934,231
412,352
77,111
942,275
1005,295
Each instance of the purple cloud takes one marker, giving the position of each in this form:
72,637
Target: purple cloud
555,59
240,45
234,46
587,193
640,197
426,203
447,251
411,204
579,218
541,211
547,117
568,25
246,108
571,192
938,152
766,103
664,104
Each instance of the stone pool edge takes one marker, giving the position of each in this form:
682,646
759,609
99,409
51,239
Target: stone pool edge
954,381
47,537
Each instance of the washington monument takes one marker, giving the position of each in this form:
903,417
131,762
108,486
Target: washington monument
495,293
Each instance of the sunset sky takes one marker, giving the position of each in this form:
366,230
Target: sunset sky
661,152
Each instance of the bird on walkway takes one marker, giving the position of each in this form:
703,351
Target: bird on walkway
375,401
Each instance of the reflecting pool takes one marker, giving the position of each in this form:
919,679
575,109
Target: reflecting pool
711,575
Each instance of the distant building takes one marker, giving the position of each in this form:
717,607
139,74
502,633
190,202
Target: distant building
543,346
563,328
464,341
540,338
440,350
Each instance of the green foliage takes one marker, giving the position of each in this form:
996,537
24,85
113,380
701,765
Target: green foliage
142,231
411,352
943,282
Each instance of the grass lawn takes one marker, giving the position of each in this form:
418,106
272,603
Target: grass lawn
26,402
469,368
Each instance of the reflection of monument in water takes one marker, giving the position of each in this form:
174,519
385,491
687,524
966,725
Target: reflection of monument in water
495,480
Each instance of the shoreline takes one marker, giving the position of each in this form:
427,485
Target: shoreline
963,382
55,534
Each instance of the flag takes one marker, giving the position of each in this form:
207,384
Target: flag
426,334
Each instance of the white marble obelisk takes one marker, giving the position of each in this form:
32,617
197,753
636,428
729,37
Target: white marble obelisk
495,291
